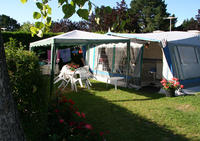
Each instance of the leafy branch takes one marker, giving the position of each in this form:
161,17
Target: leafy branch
69,8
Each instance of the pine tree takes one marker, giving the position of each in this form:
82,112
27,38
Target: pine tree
151,14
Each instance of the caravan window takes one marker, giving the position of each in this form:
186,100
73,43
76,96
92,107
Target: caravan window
187,55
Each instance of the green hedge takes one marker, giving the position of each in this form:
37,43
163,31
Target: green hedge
24,37
28,88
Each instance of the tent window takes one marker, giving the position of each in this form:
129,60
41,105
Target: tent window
188,55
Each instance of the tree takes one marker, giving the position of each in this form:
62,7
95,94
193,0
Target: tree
9,23
150,14
25,27
68,8
189,24
66,25
118,19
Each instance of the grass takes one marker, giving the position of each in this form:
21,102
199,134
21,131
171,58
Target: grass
129,115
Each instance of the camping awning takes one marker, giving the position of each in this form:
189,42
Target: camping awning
78,37
174,37
73,38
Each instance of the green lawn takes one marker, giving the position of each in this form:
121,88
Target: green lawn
129,115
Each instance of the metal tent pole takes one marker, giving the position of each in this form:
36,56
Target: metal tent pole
128,62
53,51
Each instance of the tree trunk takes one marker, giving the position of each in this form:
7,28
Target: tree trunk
10,127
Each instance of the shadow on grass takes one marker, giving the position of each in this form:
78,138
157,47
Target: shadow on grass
149,91
122,124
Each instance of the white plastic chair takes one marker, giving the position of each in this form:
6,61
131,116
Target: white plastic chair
83,77
63,76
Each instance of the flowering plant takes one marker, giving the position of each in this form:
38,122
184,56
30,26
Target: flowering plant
73,66
171,85
67,123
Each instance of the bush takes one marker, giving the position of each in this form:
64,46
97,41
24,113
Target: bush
65,122
28,88
24,37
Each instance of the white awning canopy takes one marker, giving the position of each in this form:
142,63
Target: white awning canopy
77,37
175,37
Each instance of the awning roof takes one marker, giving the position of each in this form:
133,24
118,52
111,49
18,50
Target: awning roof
176,37
78,37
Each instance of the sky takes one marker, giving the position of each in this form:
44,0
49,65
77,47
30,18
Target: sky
183,9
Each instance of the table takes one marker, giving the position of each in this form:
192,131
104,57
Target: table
115,80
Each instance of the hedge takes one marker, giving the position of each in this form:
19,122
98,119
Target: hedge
29,89
24,37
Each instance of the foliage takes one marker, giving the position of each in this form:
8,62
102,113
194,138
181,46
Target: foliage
72,66
65,122
28,88
9,23
24,37
25,27
68,8
65,25
119,19
150,14
189,24
171,85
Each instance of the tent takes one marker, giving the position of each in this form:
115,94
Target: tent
166,55
74,38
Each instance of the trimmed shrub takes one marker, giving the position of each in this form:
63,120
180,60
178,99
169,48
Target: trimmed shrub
24,37
28,88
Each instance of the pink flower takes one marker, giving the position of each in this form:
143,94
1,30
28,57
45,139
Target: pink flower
166,87
88,126
83,115
101,133
61,120
78,113
56,110
176,79
164,81
177,83
71,123
71,101
64,100
182,86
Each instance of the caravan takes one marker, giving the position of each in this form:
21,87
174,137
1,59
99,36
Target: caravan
151,57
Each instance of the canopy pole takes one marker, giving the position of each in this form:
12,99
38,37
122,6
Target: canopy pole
53,51
87,54
113,61
128,62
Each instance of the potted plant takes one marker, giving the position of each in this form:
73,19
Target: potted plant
170,86
73,66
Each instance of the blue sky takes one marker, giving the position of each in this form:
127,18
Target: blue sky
183,9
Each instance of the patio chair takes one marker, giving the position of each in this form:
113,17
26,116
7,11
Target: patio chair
81,75
64,77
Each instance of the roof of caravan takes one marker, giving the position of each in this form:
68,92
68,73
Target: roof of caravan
176,37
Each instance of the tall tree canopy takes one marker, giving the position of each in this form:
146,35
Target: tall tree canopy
118,19
66,25
9,23
150,14
189,24
25,27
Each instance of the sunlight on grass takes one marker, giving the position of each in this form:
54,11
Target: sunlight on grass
139,115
